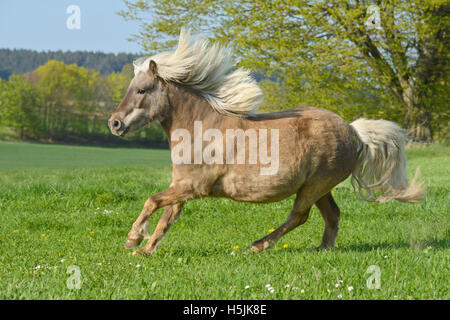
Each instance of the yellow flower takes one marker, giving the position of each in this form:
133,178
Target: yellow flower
15,231
285,245
92,232
236,247
409,298
44,235
271,230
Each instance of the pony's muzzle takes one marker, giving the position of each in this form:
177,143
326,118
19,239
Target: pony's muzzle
116,126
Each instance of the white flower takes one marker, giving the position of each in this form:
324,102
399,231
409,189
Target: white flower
37,267
302,291
349,288
328,290
287,286
294,288
337,285
339,296
270,288
340,281
62,260
246,287
233,253
138,266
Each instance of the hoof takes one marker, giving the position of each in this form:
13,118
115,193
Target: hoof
255,248
130,244
259,246
248,250
139,252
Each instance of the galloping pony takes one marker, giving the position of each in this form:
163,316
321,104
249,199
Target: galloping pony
222,148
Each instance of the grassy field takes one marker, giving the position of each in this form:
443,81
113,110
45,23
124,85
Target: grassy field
63,206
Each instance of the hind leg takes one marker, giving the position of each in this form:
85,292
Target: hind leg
330,214
298,216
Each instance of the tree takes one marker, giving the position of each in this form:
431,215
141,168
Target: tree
68,94
18,99
389,52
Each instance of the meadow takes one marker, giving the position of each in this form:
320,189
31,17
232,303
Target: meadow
66,206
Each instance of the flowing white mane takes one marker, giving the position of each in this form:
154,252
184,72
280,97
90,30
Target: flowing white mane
208,69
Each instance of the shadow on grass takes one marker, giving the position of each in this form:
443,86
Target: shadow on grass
206,252
417,245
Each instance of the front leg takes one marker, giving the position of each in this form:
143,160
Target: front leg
170,215
175,194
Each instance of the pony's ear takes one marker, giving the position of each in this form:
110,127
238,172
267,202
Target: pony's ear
152,68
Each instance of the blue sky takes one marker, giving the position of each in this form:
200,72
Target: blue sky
41,25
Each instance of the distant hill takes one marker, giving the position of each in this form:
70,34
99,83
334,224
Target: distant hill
23,60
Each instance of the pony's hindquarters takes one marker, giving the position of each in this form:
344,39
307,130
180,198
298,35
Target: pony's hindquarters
381,165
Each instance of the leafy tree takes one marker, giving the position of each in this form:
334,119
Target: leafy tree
69,93
391,55
117,85
59,102
18,100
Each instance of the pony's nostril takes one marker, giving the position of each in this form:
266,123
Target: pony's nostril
117,124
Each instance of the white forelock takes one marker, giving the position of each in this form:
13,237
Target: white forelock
208,69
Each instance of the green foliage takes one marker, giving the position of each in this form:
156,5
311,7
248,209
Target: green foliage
117,84
18,100
59,102
328,53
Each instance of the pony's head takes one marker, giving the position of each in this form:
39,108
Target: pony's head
208,69
144,101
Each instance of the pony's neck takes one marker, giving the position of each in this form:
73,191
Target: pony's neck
187,106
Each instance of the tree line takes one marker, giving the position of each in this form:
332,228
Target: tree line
22,60
57,102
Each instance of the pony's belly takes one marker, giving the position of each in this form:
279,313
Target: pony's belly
257,188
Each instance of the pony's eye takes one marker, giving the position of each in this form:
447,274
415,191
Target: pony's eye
141,91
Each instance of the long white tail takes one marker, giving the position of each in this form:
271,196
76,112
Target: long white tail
380,172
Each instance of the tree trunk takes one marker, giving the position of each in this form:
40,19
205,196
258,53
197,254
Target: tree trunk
418,122
418,117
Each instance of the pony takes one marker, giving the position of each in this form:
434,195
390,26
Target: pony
198,88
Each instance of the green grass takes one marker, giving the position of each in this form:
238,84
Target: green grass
26,155
62,206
